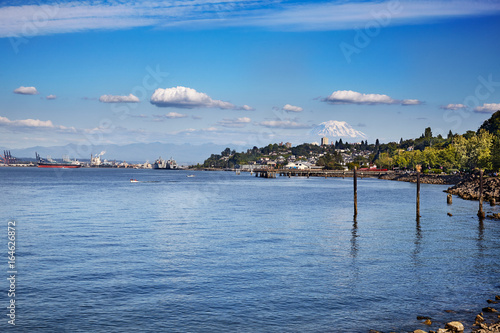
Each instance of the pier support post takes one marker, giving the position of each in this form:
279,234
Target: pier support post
449,199
355,184
480,212
418,191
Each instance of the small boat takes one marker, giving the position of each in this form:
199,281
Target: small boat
190,176
134,181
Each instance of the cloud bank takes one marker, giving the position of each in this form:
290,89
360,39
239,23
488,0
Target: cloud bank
118,99
353,97
188,98
26,91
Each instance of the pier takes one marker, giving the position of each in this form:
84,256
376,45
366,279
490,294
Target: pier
272,173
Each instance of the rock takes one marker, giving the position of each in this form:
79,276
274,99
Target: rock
441,330
450,214
449,311
497,297
489,309
419,331
423,317
428,322
479,319
455,326
492,302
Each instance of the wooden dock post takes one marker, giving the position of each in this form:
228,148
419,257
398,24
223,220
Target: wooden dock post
419,167
449,199
355,183
480,212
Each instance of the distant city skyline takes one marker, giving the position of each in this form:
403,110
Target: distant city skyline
241,73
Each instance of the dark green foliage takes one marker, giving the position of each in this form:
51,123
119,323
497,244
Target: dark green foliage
492,125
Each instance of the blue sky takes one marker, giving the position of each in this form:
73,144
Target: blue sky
243,72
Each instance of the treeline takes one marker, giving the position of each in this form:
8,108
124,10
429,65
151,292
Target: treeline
472,150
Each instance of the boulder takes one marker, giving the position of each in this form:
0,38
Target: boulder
454,326
489,309
419,331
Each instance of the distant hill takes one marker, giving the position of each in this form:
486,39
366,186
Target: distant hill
185,154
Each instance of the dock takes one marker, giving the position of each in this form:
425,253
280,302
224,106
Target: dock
272,173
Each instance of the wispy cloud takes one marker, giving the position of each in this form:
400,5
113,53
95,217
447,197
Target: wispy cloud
26,91
118,99
487,108
238,122
353,97
284,124
32,123
453,107
51,97
188,98
73,16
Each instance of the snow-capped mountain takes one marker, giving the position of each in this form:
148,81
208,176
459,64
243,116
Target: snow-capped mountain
334,128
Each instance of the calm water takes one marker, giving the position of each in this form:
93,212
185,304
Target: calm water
221,252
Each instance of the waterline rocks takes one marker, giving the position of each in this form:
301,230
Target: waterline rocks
424,178
468,189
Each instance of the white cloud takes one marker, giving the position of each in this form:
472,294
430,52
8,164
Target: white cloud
118,99
292,108
411,102
246,108
33,123
487,108
173,115
51,97
453,107
285,124
26,91
238,122
353,97
72,16
188,98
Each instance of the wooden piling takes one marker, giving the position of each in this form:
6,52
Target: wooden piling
418,191
355,184
480,212
449,199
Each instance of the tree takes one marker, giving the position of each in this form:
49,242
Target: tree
491,125
226,152
495,153
428,133
450,135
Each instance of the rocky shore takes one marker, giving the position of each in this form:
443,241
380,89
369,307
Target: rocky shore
424,178
468,189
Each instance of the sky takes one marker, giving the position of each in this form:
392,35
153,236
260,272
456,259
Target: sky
243,73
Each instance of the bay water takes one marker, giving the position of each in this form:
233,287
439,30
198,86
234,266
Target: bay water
220,252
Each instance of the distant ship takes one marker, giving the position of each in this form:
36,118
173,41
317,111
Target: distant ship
165,164
50,163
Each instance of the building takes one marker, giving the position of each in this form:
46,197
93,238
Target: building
288,145
324,141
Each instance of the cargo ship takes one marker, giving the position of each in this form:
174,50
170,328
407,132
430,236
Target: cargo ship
165,164
50,163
